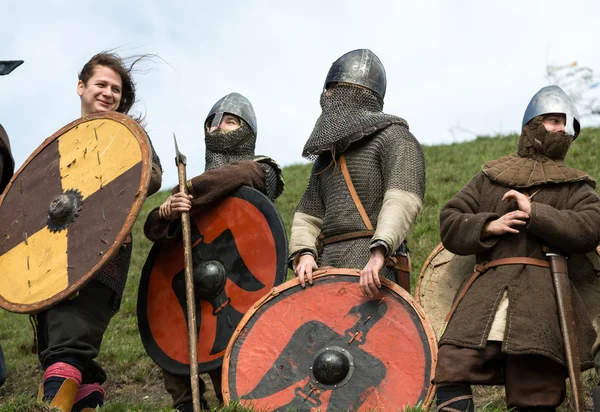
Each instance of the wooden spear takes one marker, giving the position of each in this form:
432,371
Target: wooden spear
558,266
180,161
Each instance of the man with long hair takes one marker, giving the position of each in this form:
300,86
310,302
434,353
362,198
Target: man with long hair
70,333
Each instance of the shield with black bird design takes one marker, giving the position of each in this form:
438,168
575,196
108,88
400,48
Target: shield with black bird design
329,348
239,251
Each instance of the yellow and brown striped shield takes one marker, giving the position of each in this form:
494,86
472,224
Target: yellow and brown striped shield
98,168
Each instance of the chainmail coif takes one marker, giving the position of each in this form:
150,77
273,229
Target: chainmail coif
226,147
348,114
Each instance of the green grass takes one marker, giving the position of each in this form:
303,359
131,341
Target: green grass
135,383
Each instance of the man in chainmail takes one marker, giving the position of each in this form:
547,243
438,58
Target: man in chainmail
230,137
70,333
7,168
360,218
504,326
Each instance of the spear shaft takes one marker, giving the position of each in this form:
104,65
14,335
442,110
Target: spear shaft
180,161
558,266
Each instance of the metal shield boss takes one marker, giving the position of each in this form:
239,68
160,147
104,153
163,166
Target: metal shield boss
327,347
444,272
69,208
239,250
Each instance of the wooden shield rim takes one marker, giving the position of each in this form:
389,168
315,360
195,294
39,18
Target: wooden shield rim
316,276
438,248
143,289
125,230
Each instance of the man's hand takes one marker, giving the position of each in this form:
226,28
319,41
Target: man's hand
505,224
175,204
522,201
304,269
369,276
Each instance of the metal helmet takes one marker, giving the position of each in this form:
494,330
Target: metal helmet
360,67
236,104
553,99
7,66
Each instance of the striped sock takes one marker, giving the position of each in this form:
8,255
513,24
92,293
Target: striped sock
55,375
89,396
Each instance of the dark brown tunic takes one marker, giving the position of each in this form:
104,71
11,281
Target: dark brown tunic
565,216
207,189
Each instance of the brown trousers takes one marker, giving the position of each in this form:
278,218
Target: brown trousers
529,380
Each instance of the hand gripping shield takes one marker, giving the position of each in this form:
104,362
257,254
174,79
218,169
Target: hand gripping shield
239,250
69,208
328,348
444,272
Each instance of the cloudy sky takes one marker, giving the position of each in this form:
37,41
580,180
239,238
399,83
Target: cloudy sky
455,69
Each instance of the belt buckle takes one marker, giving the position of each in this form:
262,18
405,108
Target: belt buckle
482,265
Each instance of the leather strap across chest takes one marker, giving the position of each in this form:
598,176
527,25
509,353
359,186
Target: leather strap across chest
355,198
361,210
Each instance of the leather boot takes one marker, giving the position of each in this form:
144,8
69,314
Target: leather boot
452,398
64,398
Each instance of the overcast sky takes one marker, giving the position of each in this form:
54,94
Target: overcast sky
450,65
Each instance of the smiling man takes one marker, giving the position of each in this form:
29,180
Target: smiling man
70,333
100,93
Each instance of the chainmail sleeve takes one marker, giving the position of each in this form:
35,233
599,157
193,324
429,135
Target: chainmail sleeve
308,219
403,169
270,181
274,182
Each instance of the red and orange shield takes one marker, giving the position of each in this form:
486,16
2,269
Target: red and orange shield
327,347
239,253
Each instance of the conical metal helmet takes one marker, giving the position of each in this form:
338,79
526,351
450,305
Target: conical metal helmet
7,66
360,67
236,104
553,99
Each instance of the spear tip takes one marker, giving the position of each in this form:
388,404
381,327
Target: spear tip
179,157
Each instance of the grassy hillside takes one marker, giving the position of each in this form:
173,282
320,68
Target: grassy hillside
134,382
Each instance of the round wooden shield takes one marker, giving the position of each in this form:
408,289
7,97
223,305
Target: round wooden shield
444,272
327,347
239,250
69,208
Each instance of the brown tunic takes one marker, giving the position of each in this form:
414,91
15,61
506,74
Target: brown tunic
565,216
207,189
